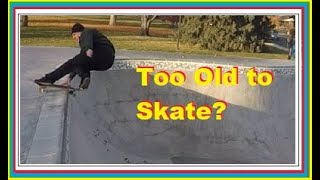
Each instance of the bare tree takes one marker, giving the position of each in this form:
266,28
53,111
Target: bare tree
113,20
25,21
145,24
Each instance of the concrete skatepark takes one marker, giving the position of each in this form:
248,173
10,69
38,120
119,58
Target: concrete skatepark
99,125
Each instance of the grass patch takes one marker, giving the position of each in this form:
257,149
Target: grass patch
55,31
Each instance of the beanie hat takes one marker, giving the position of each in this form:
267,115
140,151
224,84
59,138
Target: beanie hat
77,27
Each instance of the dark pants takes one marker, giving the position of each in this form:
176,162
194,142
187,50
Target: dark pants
101,60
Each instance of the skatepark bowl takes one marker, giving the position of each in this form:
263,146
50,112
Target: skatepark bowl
100,124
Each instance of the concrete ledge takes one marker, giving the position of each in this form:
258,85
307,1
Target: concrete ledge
47,142
187,65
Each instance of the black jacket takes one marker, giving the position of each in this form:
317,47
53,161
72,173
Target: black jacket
92,39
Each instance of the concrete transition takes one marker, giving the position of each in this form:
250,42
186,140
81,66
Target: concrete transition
100,125
257,125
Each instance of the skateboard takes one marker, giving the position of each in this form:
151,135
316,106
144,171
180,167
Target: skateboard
56,87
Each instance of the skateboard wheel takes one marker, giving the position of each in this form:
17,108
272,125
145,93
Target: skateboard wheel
72,93
42,90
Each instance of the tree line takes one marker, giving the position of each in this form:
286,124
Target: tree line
246,33
226,33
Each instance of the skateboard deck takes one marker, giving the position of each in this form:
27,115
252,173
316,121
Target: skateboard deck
56,87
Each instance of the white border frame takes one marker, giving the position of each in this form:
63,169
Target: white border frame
246,167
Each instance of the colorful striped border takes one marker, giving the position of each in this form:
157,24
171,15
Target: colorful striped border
306,89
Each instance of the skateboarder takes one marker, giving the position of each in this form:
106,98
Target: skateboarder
97,53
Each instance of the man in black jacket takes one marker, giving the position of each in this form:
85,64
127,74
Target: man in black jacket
97,53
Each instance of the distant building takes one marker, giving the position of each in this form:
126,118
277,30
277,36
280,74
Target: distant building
288,22
287,18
